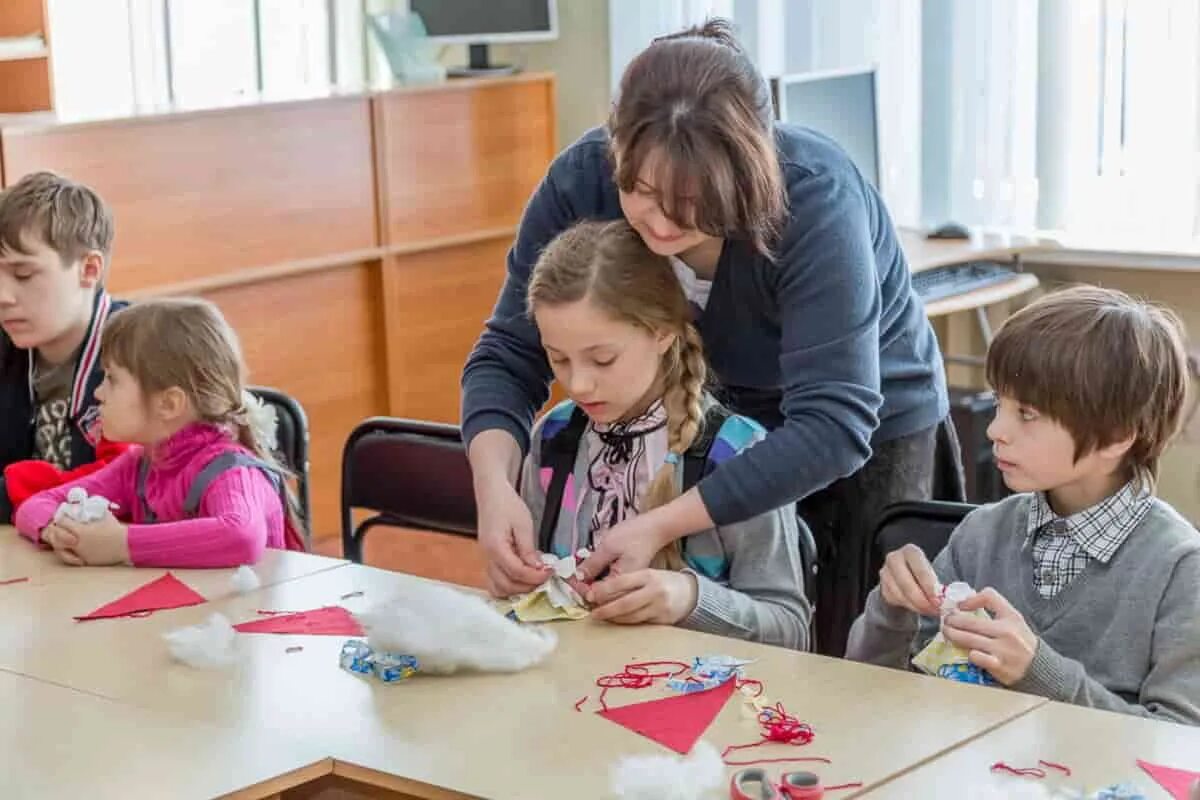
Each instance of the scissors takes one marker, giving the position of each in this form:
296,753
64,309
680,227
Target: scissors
753,784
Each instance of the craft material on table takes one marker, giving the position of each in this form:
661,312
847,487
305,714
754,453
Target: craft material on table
157,595
448,630
674,722
553,600
668,777
357,656
1183,784
327,621
206,646
944,659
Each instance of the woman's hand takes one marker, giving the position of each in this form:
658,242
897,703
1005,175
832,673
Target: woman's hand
506,536
630,545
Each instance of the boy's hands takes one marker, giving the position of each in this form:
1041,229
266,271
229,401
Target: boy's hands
907,580
1004,645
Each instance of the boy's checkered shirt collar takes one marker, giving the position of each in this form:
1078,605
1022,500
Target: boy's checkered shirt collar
1099,530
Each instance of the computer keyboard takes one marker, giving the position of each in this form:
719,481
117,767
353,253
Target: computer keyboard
934,284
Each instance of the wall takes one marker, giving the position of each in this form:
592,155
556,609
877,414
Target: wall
579,59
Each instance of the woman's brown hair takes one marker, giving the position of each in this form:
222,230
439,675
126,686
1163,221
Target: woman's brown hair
695,107
610,265
186,343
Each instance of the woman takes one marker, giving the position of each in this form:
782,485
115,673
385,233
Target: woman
801,294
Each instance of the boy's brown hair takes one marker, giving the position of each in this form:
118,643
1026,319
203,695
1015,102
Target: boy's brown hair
695,102
1104,365
66,216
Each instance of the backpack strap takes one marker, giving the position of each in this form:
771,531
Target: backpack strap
221,464
695,459
148,515
558,453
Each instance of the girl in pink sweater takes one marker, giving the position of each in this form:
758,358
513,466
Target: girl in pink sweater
202,490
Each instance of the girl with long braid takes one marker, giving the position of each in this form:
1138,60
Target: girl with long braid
617,330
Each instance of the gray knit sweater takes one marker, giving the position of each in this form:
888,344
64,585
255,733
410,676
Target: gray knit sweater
748,574
1123,636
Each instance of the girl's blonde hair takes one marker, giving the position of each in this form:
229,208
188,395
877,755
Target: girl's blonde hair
610,265
186,343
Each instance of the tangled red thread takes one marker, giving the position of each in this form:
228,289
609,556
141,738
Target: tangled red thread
777,726
637,676
1030,772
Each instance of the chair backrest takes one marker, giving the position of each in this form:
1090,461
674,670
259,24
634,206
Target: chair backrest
291,446
927,524
415,474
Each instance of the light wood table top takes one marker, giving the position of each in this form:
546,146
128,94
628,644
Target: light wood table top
20,558
1099,747
498,736
60,743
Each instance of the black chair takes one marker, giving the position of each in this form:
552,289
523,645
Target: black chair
291,446
413,474
927,524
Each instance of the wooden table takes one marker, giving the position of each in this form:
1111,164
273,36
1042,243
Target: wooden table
1099,747
497,736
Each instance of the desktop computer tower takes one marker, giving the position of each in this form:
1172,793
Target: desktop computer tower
972,412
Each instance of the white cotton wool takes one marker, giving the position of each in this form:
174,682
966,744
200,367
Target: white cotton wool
206,646
245,580
447,630
699,776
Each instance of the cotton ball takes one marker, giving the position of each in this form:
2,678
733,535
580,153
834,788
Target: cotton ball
76,494
448,630
207,646
245,580
697,777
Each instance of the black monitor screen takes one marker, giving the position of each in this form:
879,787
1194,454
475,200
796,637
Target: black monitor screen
483,18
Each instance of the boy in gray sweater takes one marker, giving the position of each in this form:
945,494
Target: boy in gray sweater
1092,583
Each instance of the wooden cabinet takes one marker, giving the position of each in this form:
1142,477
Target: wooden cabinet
356,242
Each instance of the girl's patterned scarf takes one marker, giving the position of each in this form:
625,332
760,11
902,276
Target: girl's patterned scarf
623,459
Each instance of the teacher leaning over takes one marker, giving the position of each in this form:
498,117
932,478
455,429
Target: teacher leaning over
802,297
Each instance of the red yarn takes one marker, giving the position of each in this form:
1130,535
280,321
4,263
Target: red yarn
777,726
1064,770
580,702
856,785
636,676
1027,772
1031,772
13,580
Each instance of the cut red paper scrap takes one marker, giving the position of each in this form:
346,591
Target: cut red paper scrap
327,621
157,595
1177,781
674,722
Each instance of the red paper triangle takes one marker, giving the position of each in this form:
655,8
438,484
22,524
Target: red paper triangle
161,593
328,621
674,722
1178,782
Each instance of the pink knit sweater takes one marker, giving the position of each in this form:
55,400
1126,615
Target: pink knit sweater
239,515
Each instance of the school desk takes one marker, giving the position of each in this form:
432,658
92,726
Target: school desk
502,736
1100,748
57,742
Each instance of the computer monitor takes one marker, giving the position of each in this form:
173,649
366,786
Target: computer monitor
478,23
840,104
